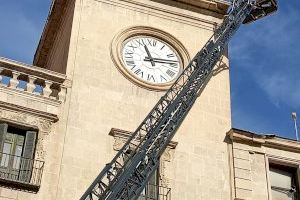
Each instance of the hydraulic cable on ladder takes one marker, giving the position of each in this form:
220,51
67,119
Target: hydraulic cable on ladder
127,174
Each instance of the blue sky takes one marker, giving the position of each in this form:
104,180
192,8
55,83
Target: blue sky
265,66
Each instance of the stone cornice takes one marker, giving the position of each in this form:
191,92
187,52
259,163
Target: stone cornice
33,112
218,6
32,70
272,141
175,14
53,22
33,96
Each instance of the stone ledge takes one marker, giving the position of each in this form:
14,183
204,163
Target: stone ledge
33,112
32,70
23,78
219,6
24,94
267,140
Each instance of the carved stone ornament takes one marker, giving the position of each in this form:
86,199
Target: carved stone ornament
28,120
121,136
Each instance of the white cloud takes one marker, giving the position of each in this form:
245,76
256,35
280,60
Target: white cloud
269,52
281,88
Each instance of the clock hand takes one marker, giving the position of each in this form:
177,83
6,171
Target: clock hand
149,55
159,60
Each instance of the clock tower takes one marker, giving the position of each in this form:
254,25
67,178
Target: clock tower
120,56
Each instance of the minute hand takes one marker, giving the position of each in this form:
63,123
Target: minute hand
159,60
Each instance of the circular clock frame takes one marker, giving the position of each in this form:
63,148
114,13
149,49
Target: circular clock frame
118,44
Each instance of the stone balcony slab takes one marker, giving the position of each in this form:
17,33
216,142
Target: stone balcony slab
29,88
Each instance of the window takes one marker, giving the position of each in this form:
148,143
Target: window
150,192
17,164
284,182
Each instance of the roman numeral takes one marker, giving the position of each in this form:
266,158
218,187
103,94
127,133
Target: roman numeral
151,77
171,55
162,78
170,73
154,43
140,42
139,72
162,47
133,47
151,42
146,42
130,62
128,51
128,54
174,65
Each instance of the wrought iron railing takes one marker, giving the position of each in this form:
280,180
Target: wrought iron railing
161,193
20,171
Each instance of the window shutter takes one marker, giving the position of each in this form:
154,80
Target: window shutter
29,144
3,131
298,183
27,164
281,181
281,178
153,186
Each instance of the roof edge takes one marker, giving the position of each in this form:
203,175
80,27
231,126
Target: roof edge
52,24
218,6
268,140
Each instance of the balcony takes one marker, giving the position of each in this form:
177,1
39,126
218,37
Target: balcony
20,172
32,80
31,89
157,193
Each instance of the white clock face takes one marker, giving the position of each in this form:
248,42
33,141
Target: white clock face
151,60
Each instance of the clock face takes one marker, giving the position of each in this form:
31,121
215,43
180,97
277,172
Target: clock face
151,60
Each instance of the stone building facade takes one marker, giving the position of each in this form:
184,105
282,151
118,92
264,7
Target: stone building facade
263,166
72,110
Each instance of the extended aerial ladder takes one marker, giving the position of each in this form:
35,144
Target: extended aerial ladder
127,174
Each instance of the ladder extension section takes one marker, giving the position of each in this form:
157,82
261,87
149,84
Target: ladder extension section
126,175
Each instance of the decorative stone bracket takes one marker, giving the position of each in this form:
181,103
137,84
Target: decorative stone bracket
122,136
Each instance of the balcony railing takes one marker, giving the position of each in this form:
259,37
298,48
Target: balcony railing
161,193
22,172
31,79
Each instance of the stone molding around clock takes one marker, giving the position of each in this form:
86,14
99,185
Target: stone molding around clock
116,52
121,136
37,121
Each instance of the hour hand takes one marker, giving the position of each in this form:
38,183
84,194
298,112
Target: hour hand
149,55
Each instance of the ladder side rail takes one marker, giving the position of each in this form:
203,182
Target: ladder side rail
215,57
176,88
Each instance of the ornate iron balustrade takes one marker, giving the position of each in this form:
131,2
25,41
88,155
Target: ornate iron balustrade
31,79
18,171
163,193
